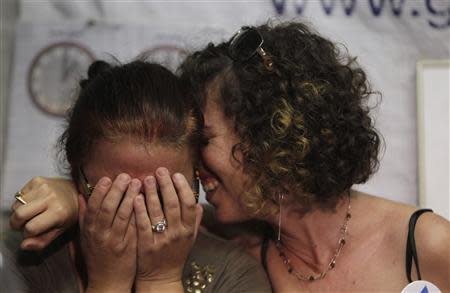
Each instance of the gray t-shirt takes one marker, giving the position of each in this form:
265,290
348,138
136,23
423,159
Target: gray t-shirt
214,265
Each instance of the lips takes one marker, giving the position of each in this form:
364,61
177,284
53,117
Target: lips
209,182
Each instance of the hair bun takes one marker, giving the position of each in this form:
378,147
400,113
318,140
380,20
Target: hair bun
96,68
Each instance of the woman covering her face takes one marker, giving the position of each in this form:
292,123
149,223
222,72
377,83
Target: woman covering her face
135,136
289,133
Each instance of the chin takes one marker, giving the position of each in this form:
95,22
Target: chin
230,216
227,211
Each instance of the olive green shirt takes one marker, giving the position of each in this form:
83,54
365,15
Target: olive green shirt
213,265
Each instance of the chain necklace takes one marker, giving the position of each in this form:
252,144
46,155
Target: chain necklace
341,242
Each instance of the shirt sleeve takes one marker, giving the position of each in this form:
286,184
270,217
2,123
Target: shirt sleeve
12,279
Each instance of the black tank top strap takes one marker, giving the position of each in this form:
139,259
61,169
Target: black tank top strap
267,236
264,249
411,252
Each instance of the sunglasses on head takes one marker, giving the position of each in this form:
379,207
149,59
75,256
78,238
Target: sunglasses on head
245,44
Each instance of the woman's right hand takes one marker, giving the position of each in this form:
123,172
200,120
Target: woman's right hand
108,234
51,208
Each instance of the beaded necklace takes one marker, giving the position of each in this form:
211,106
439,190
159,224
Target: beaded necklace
341,242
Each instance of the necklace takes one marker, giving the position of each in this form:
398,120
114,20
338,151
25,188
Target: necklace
341,242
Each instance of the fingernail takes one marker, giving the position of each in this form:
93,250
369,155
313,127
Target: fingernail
124,178
162,171
178,177
149,180
135,184
104,182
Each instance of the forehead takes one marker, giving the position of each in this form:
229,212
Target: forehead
108,158
213,113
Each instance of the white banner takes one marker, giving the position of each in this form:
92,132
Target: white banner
388,37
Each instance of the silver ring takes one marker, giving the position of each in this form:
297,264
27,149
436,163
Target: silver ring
160,227
19,197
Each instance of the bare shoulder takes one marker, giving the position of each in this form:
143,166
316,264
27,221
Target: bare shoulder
383,221
392,216
432,235
433,231
395,217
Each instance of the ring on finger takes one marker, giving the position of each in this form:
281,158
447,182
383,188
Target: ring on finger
160,226
19,197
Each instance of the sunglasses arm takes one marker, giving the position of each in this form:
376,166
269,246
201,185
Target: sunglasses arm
266,58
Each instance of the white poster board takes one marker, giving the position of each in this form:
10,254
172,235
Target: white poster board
433,107
388,37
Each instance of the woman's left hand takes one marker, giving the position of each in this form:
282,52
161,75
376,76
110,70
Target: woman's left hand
162,255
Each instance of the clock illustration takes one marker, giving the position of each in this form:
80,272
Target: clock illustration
54,75
169,56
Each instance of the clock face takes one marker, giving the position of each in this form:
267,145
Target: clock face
54,75
168,56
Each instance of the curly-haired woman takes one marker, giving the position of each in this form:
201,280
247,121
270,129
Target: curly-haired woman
289,133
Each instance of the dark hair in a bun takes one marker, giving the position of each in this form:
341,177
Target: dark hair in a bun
95,69
141,100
